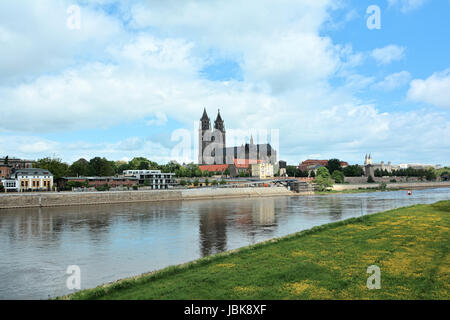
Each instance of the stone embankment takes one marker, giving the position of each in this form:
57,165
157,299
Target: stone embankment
56,199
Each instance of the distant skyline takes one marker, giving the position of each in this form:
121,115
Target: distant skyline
120,78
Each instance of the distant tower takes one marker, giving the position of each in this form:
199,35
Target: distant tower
214,154
204,136
219,136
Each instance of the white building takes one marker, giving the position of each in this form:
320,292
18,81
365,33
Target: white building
155,178
29,179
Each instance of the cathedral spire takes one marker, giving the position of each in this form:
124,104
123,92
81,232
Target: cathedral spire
218,124
204,116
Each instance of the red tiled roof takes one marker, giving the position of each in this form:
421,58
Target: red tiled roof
244,163
213,167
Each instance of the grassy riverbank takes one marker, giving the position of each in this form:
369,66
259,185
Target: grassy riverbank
410,245
367,190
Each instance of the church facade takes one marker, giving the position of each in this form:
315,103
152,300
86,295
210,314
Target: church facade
213,150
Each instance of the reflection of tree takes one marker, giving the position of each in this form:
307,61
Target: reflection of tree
212,227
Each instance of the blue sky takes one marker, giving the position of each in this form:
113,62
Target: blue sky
134,76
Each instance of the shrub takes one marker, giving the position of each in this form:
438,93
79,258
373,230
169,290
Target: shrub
383,185
135,187
338,176
196,182
370,179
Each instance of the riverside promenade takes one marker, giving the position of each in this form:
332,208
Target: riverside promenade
58,199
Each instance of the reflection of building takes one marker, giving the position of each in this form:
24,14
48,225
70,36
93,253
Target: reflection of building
264,211
262,170
213,230
154,178
213,150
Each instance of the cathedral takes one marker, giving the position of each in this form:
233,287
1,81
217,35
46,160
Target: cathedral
213,150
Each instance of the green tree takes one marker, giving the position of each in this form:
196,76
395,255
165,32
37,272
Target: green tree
370,179
206,182
333,165
58,168
79,168
292,171
323,179
338,176
101,167
312,174
353,171
196,182
214,183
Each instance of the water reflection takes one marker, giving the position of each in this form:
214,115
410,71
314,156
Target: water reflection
110,242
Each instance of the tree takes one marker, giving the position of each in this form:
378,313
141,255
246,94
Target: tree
6,160
2,188
353,171
206,182
121,166
79,168
196,182
323,180
58,168
370,179
333,165
312,174
214,183
292,171
101,167
338,176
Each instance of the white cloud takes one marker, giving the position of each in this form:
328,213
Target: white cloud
153,73
394,80
407,5
434,90
388,54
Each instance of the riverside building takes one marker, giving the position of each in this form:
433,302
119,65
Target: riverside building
152,178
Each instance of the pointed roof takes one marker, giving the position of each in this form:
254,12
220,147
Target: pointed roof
219,118
204,116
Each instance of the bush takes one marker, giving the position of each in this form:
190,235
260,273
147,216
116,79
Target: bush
106,187
338,176
196,182
135,187
383,186
370,179
2,188
323,180
183,182
223,182
393,181
214,183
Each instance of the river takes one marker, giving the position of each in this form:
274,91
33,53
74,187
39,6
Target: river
110,242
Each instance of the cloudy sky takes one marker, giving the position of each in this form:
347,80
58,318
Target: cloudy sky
131,78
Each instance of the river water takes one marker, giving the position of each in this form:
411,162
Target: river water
110,242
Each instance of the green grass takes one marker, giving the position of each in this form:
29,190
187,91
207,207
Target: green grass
410,245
